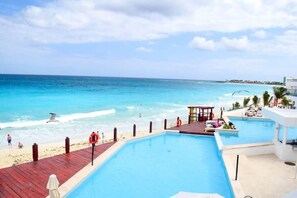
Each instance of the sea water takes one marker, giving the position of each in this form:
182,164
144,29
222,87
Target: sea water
85,104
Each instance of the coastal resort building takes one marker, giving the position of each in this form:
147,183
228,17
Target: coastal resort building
291,85
200,113
284,119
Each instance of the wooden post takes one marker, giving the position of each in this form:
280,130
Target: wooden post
165,124
151,126
211,115
134,130
115,134
67,145
35,152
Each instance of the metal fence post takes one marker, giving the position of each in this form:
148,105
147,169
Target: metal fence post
236,167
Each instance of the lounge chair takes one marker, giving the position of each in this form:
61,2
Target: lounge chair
210,129
249,113
259,114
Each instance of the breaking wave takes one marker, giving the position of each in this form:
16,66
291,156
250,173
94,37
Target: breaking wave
62,119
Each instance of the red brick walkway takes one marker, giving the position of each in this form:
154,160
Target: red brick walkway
30,179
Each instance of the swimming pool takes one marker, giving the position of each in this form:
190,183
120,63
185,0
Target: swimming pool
254,131
159,166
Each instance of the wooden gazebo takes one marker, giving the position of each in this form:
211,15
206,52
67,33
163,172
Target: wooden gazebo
200,113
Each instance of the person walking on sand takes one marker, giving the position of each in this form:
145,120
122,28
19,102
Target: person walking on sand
9,138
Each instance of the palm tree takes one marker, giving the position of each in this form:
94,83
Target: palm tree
246,101
256,100
236,105
279,92
285,101
266,98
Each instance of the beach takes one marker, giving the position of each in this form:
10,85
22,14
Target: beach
13,155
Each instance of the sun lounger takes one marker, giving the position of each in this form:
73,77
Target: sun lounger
259,114
250,114
210,129
210,123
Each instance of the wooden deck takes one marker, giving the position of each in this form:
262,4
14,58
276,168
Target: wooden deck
30,179
193,128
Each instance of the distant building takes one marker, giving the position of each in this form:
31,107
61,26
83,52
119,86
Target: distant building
291,85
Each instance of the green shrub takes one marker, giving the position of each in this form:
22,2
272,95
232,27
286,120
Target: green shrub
226,126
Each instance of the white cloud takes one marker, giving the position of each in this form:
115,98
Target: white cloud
202,43
287,42
235,44
247,68
261,34
282,43
289,37
144,49
94,21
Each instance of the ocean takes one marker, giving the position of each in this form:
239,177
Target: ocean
86,104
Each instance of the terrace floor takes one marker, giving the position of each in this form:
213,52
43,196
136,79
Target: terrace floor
193,128
30,179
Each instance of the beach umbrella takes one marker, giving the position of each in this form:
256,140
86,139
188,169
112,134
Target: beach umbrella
195,195
52,186
235,92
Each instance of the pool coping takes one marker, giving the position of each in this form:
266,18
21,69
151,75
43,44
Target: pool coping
248,118
235,184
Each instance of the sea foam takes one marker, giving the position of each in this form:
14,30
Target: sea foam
61,119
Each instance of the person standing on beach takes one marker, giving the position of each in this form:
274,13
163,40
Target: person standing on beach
9,138
102,137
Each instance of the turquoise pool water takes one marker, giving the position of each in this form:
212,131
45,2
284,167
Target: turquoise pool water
159,166
254,131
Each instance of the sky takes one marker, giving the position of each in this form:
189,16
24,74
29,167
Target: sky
178,39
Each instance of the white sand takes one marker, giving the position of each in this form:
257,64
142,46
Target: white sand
14,156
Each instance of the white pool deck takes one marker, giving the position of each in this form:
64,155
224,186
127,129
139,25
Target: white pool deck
259,176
